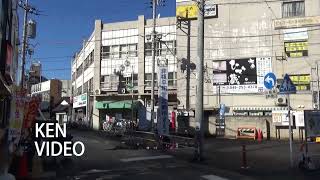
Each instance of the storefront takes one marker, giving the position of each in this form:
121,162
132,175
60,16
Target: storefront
117,110
80,108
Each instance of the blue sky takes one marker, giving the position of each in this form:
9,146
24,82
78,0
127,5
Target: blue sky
66,23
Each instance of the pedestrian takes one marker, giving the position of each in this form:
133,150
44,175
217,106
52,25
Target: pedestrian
4,156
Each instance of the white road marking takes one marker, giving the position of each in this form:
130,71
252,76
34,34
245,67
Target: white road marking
145,158
213,177
93,171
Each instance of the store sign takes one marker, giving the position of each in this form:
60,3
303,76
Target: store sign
163,118
296,22
281,118
296,49
299,118
241,75
191,11
301,81
312,123
80,101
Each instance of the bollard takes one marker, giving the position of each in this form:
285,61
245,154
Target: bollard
244,158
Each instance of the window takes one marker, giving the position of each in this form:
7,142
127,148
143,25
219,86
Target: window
79,70
91,58
133,50
85,87
169,47
172,79
105,52
293,8
115,51
91,85
148,49
148,77
123,51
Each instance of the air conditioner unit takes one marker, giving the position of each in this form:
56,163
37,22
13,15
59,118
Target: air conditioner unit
281,101
97,92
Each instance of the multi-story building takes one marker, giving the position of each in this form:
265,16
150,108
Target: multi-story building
115,55
50,94
9,43
34,75
243,41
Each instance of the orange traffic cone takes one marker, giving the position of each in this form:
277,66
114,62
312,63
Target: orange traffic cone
259,135
23,167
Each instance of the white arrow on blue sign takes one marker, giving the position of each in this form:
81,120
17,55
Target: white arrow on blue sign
287,86
270,80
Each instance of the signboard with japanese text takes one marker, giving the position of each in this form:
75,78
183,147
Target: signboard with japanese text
80,101
301,81
163,118
296,49
286,23
191,11
241,75
280,118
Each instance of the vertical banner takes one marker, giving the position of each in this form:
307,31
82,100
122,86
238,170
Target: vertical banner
16,115
163,119
31,112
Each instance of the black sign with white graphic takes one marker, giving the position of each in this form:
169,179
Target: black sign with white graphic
242,71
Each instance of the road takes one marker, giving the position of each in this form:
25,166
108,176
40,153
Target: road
103,159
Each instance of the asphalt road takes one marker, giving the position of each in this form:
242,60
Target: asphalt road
103,159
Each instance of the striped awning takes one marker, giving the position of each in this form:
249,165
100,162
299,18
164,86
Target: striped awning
268,108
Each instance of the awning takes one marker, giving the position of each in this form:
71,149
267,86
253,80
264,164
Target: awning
268,108
126,104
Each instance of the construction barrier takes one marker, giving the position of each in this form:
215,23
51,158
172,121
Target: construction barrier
246,133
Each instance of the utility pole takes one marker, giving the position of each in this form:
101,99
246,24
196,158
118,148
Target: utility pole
24,41
154,11
318,86
199,96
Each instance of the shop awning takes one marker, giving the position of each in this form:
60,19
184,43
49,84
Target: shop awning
269,108
126,104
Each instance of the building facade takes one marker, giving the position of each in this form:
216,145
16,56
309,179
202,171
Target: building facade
244,41
9,43
113,69
50,94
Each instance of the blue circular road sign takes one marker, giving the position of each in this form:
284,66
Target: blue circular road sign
270,80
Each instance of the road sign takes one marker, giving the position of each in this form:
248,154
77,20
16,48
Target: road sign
287,86
270,80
